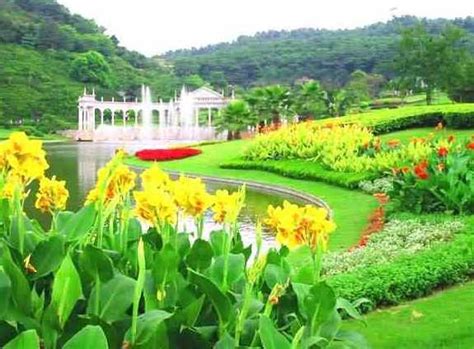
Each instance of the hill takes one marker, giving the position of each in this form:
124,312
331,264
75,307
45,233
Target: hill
285,56
41,43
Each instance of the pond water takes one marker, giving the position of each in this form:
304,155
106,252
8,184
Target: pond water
78,163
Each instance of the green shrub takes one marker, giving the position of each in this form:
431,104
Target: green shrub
399,237
409,276
302,169
454,120
31,131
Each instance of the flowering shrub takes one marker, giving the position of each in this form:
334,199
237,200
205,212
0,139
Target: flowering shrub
443,181
341,148
399,237
166,154
378,185
120,273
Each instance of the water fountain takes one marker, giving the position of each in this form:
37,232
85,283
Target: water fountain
146,132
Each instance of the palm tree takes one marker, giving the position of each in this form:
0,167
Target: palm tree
309,100
235,118
337,102
270,102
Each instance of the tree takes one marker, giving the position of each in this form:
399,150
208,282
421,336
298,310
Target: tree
462,90
435,59
337,102
235,118
91,67
309,100
270,102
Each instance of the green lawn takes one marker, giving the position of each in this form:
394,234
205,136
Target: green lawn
351,208
5,133
406,135
444,320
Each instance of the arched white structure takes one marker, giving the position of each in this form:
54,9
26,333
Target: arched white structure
178,118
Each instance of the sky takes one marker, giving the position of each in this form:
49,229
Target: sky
156,26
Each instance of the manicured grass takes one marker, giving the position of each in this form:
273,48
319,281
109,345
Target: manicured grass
406,135
444,320
351,208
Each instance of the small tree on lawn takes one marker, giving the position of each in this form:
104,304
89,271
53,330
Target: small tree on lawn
234,118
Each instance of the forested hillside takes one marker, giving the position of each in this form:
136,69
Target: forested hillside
329,56
48,55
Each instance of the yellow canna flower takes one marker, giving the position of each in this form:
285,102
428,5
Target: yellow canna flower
52,195
154,177
295,226
23,156
191,196
155,206
13,183
114,181
227,206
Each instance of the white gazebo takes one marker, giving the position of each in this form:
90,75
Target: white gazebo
177,119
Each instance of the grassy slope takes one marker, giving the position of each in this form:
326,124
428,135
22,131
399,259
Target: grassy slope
443,320
382,116
351,208
405,135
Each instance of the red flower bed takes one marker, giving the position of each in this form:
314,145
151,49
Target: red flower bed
166,154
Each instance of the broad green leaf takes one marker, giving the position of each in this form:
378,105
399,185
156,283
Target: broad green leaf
200,255
217,241
183,244
165,265
115,297
235,269
226,342
95,263
79,223
188,315
7,332
352,339
219,300
47,256
147,325
25,340
67,290
88,337
20,289
301,291
62,219
319,304
348,307
270,337
5,291
274,274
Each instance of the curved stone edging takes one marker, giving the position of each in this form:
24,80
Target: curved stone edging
263,187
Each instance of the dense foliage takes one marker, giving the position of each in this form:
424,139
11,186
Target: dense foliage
442,181
286,56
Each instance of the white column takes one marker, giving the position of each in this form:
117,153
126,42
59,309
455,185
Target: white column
136,118
79,118
113,117
101,116
124,118
209,117
196,116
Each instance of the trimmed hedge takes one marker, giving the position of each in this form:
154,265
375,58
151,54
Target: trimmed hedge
388,120
409,276
302,169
